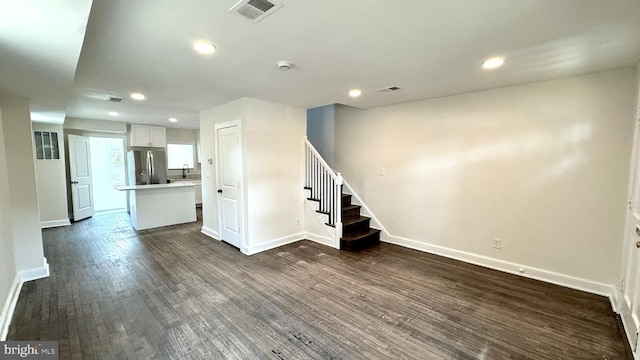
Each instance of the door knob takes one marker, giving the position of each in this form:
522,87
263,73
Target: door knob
219,191
638,244
74,182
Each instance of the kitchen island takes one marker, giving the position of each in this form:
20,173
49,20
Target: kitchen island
157,205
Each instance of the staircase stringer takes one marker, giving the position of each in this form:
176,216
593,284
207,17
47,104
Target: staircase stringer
364,210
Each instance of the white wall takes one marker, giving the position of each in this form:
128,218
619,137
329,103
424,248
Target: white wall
321,131
543,167
91,125
52,183
8,272
272,140
23,193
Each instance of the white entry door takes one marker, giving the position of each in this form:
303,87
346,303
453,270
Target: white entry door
80,169
629,307
229,168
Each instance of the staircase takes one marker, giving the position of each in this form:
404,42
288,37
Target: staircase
356,232
350,230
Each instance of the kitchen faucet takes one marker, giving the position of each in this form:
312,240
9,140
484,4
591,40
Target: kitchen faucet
185,167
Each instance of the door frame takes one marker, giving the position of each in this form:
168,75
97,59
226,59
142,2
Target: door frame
241,193
125,147
626,294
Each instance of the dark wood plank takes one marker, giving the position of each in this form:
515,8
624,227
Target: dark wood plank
173,293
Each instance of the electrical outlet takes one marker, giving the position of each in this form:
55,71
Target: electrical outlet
298,221
381,172
497,243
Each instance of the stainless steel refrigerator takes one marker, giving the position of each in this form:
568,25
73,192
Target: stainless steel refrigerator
146,167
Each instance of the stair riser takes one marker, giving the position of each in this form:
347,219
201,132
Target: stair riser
346,200
362,243
356,227
350,213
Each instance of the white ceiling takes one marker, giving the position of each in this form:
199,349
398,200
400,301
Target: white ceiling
429,48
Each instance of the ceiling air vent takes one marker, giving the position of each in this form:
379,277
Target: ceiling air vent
255,10
114,99
389,89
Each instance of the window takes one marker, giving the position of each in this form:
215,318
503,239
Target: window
179,155
46,145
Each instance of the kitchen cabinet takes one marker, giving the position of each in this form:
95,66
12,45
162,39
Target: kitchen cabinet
198,189
148,136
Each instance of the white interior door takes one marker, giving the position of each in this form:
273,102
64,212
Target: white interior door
629,307
80,169
229,167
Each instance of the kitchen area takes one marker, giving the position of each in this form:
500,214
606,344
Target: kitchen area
159,172
164,186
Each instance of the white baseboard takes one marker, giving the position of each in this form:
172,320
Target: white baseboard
614,298
254,249
506,266
210,232
9,307
324,240
35,273
54,223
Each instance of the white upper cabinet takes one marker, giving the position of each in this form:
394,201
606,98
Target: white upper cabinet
148,136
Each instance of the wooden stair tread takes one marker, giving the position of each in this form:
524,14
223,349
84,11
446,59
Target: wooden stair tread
359,235
351,206
354,220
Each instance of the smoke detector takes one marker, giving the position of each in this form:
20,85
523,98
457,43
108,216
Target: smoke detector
255,10
284,65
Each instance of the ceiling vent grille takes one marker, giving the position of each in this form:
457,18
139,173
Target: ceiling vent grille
114,99
255,10
389,89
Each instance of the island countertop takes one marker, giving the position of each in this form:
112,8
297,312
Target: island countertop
154,186
156,205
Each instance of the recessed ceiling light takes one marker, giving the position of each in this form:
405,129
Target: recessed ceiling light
173,119
204,47
355,93
492,63
137,96
113,113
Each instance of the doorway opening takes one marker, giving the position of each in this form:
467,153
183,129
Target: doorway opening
108,170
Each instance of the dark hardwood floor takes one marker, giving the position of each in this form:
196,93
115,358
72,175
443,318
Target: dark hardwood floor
173,293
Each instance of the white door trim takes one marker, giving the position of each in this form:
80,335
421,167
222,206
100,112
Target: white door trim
244,248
